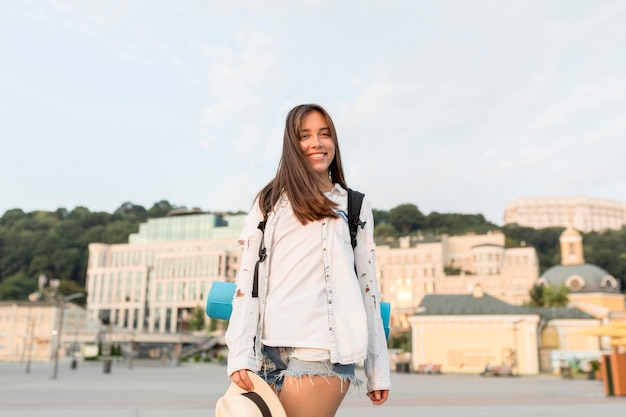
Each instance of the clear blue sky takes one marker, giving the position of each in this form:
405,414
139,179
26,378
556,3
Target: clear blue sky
455,106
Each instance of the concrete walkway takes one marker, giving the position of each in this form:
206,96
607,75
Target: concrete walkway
191,390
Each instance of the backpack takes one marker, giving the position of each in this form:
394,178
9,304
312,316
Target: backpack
355,200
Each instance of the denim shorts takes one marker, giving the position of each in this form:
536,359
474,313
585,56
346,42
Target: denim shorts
279,362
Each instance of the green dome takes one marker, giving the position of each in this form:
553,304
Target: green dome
585,278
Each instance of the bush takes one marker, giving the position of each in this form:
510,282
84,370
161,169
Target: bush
400,340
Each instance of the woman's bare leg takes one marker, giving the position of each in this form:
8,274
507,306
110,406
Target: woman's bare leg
315,396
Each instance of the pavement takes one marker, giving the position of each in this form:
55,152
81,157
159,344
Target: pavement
191,390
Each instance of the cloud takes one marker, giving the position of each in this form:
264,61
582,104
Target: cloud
579,101
452,106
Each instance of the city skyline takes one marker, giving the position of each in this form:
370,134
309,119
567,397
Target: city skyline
456,107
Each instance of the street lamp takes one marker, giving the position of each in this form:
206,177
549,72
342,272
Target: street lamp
61,304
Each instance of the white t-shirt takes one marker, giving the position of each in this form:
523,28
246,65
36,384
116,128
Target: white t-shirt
296,287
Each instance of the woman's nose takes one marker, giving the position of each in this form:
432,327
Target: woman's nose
317,141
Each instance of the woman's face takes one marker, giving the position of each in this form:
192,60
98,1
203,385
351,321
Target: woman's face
317,143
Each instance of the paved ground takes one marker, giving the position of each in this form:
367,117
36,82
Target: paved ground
191,390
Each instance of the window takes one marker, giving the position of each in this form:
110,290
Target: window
129,286
118,288
575,283
608,282
137,289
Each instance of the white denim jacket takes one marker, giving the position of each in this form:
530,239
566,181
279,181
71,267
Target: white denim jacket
350,342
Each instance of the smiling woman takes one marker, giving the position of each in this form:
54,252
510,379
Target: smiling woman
316,314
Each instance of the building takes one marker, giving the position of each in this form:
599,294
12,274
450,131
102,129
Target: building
153,283
465,332
583,213
29,330
591,288
453,265
468,333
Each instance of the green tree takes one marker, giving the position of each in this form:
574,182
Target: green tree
385,230
608,250
548,296
406,218
537,295
556,297
131,211
380,217
198,319
10,217
68,287
457,223
17,287
118,231
160,209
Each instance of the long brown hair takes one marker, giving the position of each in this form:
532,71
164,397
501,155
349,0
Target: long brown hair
295,175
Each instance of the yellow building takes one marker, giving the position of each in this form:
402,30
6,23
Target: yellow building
471,332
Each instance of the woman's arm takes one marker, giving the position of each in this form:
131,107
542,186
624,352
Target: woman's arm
377,362
243,324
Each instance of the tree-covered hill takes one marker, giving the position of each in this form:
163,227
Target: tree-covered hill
55,243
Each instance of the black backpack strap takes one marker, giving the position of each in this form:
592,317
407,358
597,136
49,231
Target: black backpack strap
355,200
262,256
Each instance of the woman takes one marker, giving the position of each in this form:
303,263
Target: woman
313,319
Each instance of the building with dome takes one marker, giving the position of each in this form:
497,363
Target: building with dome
591,288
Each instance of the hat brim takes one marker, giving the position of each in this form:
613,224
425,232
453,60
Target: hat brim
264,390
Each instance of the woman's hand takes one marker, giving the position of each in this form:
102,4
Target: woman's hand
241,379
379,396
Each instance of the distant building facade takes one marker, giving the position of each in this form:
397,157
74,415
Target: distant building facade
586,214
453,265
29,330
153,283
470,333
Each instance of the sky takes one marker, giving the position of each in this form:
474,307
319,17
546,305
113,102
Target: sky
454,106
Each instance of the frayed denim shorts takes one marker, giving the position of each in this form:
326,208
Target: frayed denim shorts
279,362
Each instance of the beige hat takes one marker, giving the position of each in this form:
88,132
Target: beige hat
261,402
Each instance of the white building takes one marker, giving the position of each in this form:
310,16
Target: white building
582,213
153,283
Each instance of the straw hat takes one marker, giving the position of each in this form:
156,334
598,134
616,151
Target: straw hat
261,402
